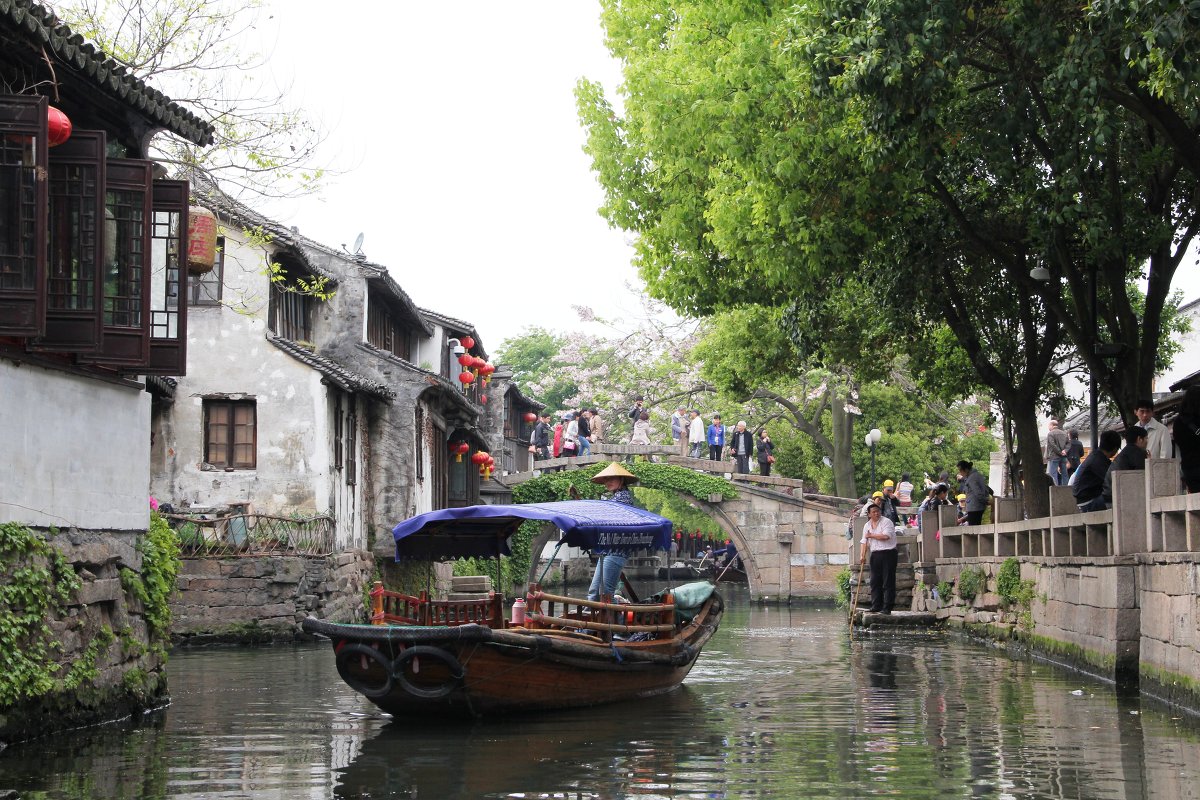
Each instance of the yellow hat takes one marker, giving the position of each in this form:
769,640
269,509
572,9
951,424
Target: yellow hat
877,494
886,484
961,497
614,470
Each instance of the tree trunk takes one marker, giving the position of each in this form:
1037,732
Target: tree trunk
843,439
1029,446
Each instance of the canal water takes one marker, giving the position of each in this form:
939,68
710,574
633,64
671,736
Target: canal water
782,704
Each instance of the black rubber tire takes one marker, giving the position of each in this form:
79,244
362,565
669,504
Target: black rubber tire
457,673
354,650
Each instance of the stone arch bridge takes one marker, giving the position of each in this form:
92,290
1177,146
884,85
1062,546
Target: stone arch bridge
792,543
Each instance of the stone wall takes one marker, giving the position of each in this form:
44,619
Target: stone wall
1168,590
264,598
1084,613
127,667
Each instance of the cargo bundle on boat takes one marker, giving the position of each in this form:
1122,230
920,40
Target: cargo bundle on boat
424,655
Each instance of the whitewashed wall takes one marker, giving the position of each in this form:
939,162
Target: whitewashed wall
74,451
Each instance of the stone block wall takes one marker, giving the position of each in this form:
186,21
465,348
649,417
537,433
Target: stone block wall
264,598
1168,589
102,615
1084,613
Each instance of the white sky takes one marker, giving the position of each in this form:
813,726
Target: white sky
454,127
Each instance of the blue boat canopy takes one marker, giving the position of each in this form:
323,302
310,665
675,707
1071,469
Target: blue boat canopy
484,530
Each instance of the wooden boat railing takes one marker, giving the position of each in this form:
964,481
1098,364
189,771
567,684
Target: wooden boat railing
604,619
397,608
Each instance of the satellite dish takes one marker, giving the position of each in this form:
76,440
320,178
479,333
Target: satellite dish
358,240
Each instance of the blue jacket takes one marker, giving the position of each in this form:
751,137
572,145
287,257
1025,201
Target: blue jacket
716,435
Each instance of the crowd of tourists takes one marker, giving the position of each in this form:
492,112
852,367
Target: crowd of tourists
577,430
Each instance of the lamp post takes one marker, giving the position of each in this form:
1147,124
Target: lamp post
872,439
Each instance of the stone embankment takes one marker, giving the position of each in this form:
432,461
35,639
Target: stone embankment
264,597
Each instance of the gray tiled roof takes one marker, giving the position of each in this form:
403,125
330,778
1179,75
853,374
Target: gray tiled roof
93,67
335,373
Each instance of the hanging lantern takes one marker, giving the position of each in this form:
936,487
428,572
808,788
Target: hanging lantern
530,417
486,371
459,449
465,360
201,240
467,342
477,363
58,126
479,458
466,377
483,399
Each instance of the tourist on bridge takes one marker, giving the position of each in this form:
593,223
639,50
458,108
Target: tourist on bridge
541,436
1089,483
641,429
696,435
741,446
1074,453
1057,441
972,484
937,497
583,420
597,425
570,443
890,505
716,438
879,537
616,481
1186,433
679,425
1132,456
635,413
1158,439
765,448
559,429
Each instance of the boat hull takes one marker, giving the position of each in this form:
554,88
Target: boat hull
473,670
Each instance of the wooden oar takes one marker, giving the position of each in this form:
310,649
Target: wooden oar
858,589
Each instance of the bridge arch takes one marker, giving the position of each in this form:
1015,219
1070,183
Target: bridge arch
790,546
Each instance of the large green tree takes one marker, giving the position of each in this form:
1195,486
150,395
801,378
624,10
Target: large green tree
793,154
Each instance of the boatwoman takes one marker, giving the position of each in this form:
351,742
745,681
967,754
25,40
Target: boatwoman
617,480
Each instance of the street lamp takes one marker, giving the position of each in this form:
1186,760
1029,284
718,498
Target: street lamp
872,439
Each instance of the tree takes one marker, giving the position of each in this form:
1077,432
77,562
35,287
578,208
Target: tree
788,154
196,52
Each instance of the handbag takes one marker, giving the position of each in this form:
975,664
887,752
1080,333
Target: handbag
569,444
770,459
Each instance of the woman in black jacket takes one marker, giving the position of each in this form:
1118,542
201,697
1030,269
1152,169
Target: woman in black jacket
765,446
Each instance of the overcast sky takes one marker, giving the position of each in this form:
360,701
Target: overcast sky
455,130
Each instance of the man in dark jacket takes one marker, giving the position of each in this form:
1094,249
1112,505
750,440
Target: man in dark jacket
1133,456
1089,486
741,447
541,436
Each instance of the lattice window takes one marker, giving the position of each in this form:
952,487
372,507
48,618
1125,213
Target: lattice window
231,433
205,290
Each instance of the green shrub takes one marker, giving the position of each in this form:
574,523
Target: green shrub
842,579
971,581
945,591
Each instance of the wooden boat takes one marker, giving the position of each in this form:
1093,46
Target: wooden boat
680,571
426,656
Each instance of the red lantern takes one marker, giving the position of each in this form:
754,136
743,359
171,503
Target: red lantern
466,377
467,342
479,458
459,449
487,369
58,126
477,363
465,360
483,399
530,417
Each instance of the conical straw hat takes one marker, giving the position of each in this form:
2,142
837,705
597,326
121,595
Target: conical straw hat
614,470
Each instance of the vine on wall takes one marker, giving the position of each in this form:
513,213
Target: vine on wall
38,584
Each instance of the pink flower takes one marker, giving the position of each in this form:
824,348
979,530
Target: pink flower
153,504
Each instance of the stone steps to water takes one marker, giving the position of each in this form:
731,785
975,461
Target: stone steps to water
896,619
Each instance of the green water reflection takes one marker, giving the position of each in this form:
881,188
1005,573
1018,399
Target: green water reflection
781,705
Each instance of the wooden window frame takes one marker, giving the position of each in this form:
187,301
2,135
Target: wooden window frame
23,272
385,331
352,443
221,447
167,278
338,430
291,313
419,441
74,285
